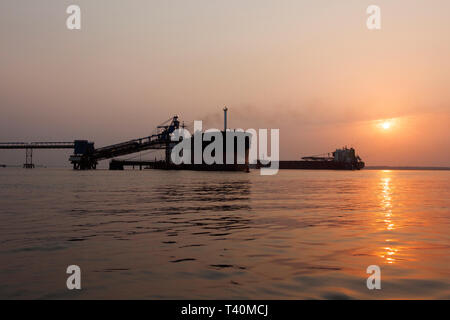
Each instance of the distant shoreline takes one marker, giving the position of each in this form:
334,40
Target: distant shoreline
404,168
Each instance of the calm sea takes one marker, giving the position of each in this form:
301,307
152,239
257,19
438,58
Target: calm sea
170,235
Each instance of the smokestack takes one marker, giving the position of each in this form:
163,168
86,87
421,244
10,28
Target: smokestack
225,118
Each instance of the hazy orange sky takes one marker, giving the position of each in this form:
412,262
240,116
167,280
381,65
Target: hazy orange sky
310,68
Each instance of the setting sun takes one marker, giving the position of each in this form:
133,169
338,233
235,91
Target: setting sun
386,125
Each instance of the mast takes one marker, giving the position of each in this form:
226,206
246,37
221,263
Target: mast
225,118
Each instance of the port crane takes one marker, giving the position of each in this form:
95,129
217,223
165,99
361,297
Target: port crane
86,156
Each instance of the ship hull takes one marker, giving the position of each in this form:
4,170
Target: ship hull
200,167
316,165
320,165
238,162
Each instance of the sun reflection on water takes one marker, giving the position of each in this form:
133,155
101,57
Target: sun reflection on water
388,252
386,203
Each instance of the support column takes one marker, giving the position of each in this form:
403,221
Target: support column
28,159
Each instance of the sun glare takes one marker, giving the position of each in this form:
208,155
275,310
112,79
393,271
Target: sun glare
386,125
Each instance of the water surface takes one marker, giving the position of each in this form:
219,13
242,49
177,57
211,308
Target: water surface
172,235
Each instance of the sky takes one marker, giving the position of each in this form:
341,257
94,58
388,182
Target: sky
309,68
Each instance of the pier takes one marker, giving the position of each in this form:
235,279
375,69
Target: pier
85,156
29,146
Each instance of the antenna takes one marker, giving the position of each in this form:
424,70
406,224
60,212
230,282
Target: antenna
225,118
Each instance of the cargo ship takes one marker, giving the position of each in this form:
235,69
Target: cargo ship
340,159
228,150
235,159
